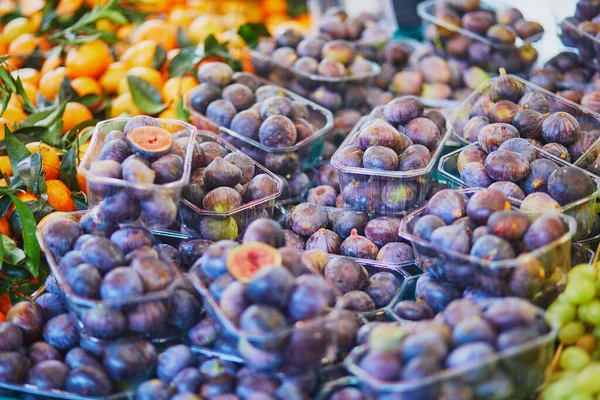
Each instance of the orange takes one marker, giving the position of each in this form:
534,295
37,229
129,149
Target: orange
29,75
14,114
25,44
94,3
150,75
51,63
30,7
90,59
36,20
140,54
5,227
3,123
66,8
86,85
5,166
176,87
7,6
124,104
111,78
75,113
81,182
274,6
15,28
153,5
203,26
105,25
183,16
50,82
5,303
59,196
24,196
30,91
169,113
159,31
125,32
50,159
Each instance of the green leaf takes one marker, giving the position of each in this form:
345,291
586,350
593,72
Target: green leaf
30,243
5,203
54,116
183,62
53,133
88,100
2,250
182,39
30,170
252,32
16,150
68,170
7,80
28,105
212,47
80,200
32,119
5,101
159,58
35,59
66,92
114,16
10,252
145,95
182,113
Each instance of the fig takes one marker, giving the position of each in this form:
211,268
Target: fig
202,95
350,156
277,131
537,179
426,225
477,21
502,165
492,248
561,128
482,107
221,172
583,142
484,203
246,123
414,157
403,109
423,131
379,133
339,50
535,101
468,155
168,168
222,199
244,163
557,150
492,136
150,141
331,68
395,253
539,201
241,96
506,87
322,195
475,174
447,204
306,218
398,195
265,231
508,16
346,221
502,34
325,240
543,231
529,123
261,186
216,73
358,246
380,158
451,238
115,150
473,127
569,184
527,29
383,230
434,70
244,261
510,189
503,112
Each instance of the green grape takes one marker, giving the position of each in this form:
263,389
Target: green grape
571,332
559,314
588,379
592,312
586,272
580,292
580,396
574,358
559,390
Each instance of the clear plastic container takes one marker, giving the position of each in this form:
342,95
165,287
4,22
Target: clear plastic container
512,277
79,304
501,55
584,210
524,365
329,389
16,391
373,182
581,254
190,216
573,36
155,194
280,345
588,120
309,150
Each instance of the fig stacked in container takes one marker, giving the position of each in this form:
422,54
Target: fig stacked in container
274,126
481,33
386,165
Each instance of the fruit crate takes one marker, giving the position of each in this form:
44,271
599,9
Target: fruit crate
231,224
523,364
269,351
158,201
309,149
588,119
374,181
79,305
552,261
329,390
500,55
584,210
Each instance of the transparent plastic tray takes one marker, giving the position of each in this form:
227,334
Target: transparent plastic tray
329,389
586,43
78,304
189,216
584,210
318,327
509,51
420,179
582,254
523,364
171,190
588,119
310,149
495,277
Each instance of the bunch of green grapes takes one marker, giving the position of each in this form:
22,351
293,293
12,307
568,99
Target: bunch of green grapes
576,313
